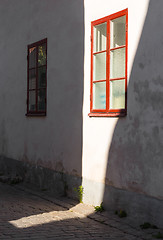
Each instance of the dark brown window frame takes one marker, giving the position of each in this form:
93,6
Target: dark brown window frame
36,112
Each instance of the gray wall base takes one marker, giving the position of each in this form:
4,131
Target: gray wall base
58,183
139,208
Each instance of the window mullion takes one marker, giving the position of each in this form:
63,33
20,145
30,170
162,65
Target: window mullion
91,83
28,81
36,78
126,52
46,81
108,67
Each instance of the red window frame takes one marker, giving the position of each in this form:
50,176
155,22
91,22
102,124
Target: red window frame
108,112
36,112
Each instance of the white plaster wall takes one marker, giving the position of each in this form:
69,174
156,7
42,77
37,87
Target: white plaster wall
98,131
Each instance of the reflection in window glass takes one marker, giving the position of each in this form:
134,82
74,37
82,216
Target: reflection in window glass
32,79
42,77
117,63
32,100
41,99
42,55
117,94
32,57
99,95
99,72
100,37
118,32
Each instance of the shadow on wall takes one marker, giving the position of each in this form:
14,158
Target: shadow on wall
67,95
52,154
134,172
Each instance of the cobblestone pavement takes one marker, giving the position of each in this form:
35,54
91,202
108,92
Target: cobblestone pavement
29,214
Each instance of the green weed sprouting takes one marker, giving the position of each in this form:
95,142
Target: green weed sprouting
121,213
99,208
147,225
80,192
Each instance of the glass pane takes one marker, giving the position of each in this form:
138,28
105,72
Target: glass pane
99,41
32,79
99,95
41,99
99,69
117,63
118,32
117,94
32,100
32,57
42,55
42,77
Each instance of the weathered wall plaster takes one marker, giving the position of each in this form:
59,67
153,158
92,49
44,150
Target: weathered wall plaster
127,153
122,157
99,133
118,158
54,141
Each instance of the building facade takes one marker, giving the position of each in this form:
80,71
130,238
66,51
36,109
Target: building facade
81,98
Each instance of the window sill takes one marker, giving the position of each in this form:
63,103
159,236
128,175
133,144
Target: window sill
119,114
35,114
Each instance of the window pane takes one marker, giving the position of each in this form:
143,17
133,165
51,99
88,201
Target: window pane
117,94
41,99
42,55
32,79
42,77
32,100
99,63
99,95
99,37
117,63
118,32
32,57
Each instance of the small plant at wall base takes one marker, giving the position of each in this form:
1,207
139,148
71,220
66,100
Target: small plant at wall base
121,213
80,191
158,235
147,225
99,208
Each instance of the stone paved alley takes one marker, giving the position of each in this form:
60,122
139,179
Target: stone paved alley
29,214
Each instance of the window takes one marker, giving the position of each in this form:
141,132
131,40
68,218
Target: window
109,65
37,78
